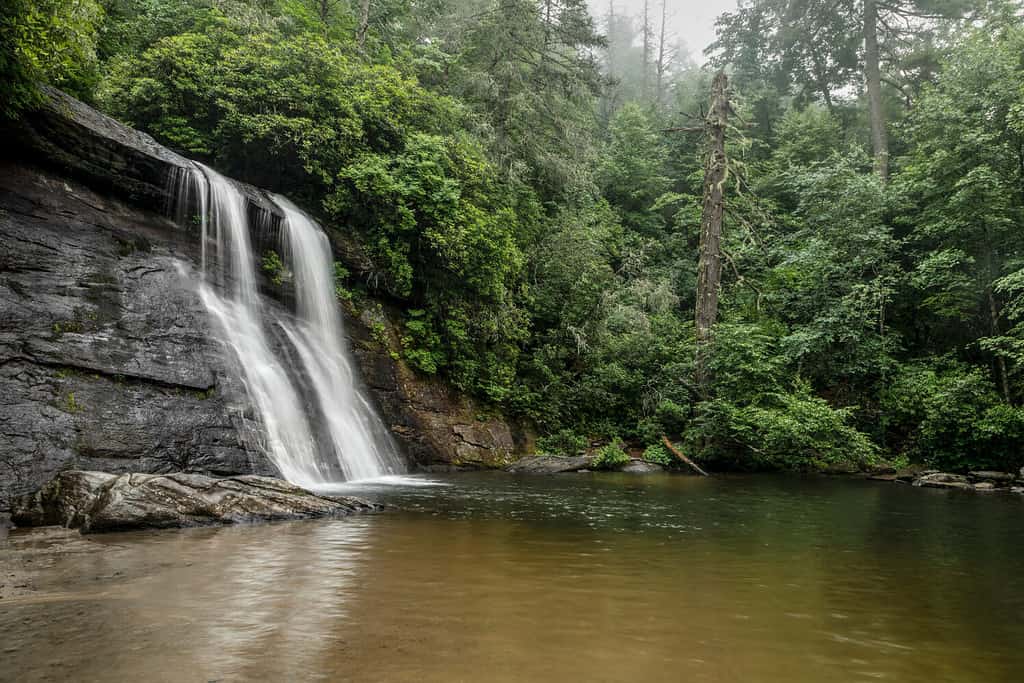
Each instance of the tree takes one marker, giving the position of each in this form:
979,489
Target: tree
46,41
709,268
826,45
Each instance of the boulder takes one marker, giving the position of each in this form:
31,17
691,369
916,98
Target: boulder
944,480
638,466
550,464
988,475
984,486
99,501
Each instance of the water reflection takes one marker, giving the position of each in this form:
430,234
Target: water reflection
576,578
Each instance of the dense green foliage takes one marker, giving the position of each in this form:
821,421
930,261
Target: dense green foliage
507,178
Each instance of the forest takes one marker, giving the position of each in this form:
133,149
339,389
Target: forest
523,182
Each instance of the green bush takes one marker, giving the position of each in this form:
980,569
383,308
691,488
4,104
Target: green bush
952,417
611,457
273,267
786,431
658,454
565,442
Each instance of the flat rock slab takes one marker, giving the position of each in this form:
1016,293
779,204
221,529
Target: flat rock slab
550,464
97,501
987,475
636,466
942,480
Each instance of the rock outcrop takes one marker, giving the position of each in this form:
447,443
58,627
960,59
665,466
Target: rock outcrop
551,464
438,427
943,480
555,464
98,501
106,357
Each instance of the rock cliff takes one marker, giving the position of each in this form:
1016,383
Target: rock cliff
106,357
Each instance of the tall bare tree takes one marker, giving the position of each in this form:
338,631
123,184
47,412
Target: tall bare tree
364,23
709,267
873,82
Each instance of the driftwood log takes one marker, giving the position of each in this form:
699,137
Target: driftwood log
675,452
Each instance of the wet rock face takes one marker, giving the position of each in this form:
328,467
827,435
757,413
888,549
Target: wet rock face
106,357
106,361
436,426
99,501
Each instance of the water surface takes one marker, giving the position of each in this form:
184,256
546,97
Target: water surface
492,577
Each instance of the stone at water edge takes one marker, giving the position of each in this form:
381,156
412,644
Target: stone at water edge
550,464
98,501
944,480
636,466
984,486
989,475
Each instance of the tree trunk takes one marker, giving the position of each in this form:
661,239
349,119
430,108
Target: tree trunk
662,66
645,86
873,80
1004,379
364,23
709,267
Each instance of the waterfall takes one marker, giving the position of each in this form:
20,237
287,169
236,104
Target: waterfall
360,441
315,424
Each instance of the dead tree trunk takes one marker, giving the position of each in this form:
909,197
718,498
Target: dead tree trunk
709,267
873,81
645,84
364,23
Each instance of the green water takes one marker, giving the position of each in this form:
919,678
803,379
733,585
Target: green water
492,577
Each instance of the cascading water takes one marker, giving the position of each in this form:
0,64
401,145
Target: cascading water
360,442
355,444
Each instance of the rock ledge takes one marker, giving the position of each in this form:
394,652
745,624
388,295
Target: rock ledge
97,501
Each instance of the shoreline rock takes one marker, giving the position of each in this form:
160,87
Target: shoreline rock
558,464
95,502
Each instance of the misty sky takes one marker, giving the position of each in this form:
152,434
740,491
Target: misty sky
691,20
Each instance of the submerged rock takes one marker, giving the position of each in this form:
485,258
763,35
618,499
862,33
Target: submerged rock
98,501
550,464
943,480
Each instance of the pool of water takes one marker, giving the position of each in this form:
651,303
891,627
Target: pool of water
494,577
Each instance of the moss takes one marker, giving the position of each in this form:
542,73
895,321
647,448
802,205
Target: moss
379,332
71,404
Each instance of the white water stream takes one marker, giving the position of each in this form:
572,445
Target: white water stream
317,427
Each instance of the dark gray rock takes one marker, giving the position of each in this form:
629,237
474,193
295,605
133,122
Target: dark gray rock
106,357
99,501
987,475
636,466
550,464
944,480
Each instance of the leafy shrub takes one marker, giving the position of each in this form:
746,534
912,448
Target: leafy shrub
787,431
273,266
610,457
658,454
565,442
951,416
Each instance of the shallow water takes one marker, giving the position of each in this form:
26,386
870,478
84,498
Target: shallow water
491,577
